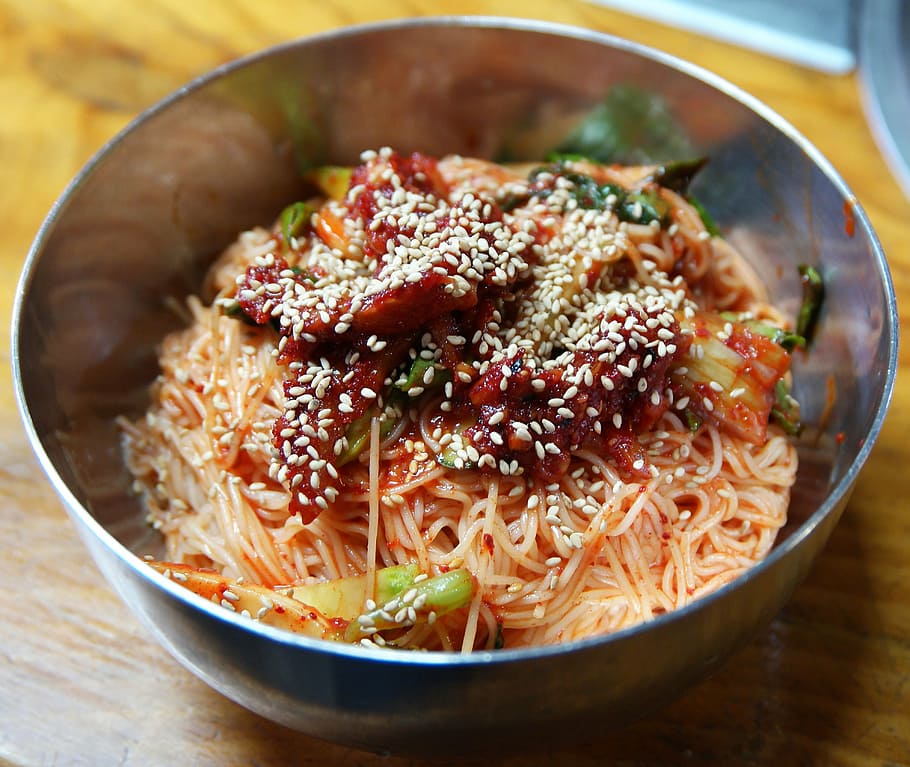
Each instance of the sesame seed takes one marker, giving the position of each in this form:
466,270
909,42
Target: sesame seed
566,317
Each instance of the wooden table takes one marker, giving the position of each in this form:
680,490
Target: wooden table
80,683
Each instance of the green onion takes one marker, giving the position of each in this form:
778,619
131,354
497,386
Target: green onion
235,310
693,421
564,157
432,597
500,641
305,273
813,297
785,338
345,597
705,217
332,180
415,376
785,411
448,457
391,581
678,175
643,208
295,219
510,201
358,436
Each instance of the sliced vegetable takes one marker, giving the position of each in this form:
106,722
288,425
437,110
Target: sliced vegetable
295,219
643,208
449,457
785,338
813,297
678,175
358,436
235,310
421,603
706,218
786,409
391,581
330,229
332,610
263,604
636,207
345,597
418,377
332,180
728,375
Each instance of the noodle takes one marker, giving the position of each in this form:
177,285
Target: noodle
617,536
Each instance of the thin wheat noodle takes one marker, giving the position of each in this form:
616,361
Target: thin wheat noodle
592,552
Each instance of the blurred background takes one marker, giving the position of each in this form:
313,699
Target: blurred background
832,36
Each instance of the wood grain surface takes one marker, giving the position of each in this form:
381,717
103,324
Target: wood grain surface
81,683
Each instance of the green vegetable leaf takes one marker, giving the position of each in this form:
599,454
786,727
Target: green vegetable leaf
705,217
633,207
678,175
632,126
564,157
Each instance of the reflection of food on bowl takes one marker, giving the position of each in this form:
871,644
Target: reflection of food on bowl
148,216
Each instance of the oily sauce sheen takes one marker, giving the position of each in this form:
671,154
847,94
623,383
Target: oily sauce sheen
448,280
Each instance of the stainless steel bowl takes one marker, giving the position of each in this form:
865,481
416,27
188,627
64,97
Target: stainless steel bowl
138,226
